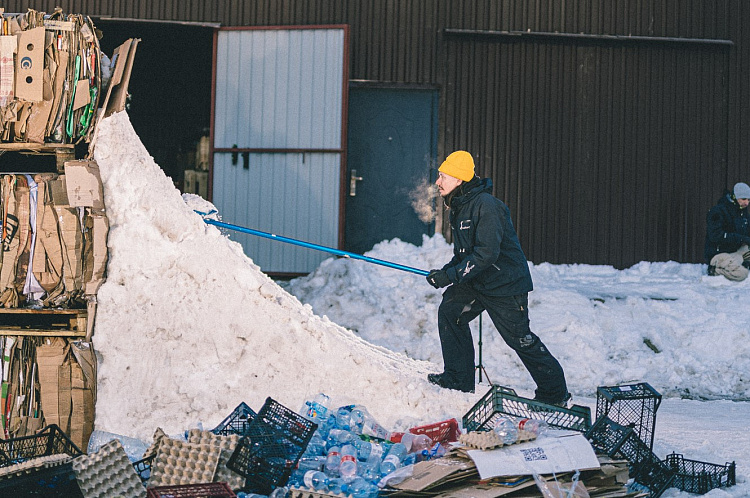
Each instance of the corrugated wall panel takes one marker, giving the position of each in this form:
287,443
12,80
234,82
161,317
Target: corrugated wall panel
295,77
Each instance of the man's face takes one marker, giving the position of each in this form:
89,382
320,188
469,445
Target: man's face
743,203
446,183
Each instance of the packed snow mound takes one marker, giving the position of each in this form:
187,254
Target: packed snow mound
187,326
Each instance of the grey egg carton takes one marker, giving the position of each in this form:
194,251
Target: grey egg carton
108,473
29,466
159,435
179,462
227,444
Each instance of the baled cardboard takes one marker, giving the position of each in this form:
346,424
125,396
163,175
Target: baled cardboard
96,258
50,357
30,65
8,46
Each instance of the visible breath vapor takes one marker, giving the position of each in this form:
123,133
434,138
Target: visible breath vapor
422,198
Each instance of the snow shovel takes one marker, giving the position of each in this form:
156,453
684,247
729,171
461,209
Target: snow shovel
310,245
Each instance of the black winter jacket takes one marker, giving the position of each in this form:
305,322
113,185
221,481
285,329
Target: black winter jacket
727,227
486,252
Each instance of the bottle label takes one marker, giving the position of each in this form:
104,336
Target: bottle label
308,478
392,459
522,422
376,451
348,458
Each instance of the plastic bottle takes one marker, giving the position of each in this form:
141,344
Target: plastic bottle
437,451
360,488
317,409
281,492
312,463
348,465
316,480
357,418
393,459
340,437
316,446
134,448
337,485
343,418
416,442
370,470
371,428
367,450
333,460
534,426
507,429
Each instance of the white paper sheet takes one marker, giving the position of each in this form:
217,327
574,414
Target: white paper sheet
545,455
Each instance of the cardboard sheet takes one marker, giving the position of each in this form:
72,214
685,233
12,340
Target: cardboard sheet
83,184
546,455
30,65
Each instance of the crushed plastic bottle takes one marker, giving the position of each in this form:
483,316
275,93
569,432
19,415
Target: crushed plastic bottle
416,442
533,426
507,429
393,459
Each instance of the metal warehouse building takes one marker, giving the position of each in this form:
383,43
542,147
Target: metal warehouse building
609,128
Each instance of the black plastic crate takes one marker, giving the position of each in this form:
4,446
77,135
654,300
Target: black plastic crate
501,400
271,447
237,422
631,405
700,477
607,436
645,467
143,468
45,481
49,441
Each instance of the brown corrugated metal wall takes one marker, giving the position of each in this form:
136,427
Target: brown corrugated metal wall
608,150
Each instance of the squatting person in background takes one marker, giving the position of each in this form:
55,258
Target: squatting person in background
728,235
489,272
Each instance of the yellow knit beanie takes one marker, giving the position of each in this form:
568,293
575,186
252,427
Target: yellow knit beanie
459,165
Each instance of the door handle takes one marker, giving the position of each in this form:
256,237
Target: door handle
353,183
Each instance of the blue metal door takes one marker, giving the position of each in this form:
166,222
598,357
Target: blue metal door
391,154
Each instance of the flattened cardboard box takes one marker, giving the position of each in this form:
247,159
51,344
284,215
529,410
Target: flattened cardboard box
83,184
431,473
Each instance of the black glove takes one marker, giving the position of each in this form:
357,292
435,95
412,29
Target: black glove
438,279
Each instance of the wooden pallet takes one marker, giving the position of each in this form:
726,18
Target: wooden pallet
43,322
62,152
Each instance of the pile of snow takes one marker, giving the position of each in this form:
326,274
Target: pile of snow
188,327
669,324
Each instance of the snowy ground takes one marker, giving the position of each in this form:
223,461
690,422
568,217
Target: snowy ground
188,327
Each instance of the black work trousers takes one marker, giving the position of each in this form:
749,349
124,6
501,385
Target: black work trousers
510,315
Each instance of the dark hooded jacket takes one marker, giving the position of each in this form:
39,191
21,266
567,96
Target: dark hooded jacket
486,252
727,227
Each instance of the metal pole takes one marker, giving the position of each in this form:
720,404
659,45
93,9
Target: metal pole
310,245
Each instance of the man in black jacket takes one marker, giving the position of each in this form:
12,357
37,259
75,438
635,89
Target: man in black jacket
489,272
728,235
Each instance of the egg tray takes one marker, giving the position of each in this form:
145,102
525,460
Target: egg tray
107,473
226,445
180,462
50,476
